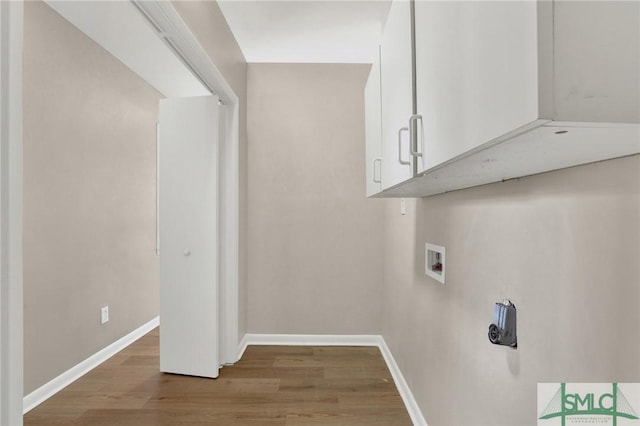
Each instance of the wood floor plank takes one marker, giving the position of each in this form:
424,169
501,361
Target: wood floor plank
221,386
270,385
270,372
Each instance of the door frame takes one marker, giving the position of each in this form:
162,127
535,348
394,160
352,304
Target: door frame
11,330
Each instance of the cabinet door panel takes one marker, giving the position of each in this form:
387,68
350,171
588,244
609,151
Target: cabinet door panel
395,58
373,130
476,73
597,61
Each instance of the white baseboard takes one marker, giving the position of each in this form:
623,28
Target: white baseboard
52,387
403,388
343,340
307,340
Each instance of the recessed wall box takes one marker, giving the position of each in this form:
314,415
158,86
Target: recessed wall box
435,261
502,330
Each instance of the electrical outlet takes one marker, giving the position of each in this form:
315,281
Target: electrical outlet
104,315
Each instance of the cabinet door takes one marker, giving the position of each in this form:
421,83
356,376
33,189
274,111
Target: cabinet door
373,130
597,61
395,59
188,182
476,73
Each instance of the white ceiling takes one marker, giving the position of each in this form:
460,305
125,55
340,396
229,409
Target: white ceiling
311,31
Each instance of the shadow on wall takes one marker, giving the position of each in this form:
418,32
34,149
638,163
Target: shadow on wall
563,246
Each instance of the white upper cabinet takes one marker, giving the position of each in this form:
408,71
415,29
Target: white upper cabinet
597,56
373,130
504,89
476,73
397,92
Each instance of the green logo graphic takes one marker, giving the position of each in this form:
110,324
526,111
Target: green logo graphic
613,405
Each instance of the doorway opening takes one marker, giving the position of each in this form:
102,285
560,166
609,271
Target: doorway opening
160,21
155,39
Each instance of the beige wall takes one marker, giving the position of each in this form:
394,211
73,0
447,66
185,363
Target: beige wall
314,240
206,22
89,197
564,246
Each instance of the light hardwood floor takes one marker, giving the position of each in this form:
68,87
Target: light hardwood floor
270,385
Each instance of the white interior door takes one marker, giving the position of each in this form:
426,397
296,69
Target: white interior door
188,215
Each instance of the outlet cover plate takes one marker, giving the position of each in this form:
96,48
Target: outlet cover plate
104,314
